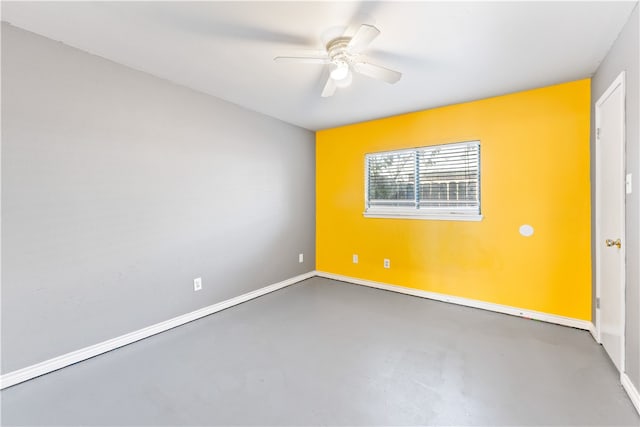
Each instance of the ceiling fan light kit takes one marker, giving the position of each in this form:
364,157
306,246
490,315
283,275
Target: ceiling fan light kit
340,70
343,56
344,82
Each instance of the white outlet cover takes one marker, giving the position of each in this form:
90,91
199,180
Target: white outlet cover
628,179
355,258
526,230
197,284
387,263
300,257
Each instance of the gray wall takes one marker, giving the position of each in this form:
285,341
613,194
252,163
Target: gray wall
623,56
119,188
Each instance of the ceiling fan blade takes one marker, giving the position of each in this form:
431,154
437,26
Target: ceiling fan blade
308,57
377,72
362,38
329,88
302,59
197,18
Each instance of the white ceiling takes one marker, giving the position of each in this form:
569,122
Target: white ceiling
448,52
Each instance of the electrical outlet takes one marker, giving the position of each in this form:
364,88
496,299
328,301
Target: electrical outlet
300,257
628,183
355,258
387,263
197,284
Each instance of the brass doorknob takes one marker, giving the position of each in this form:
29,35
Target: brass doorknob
610,243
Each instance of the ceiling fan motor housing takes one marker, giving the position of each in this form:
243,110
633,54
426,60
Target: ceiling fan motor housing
339,52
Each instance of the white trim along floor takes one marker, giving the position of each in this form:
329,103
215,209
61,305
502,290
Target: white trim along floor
16,377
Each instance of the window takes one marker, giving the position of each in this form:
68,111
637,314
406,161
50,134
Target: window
434,182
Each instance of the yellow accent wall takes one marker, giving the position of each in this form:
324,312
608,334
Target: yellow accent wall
535,170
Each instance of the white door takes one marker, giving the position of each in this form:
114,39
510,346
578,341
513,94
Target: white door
610,217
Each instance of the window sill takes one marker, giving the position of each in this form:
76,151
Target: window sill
436,217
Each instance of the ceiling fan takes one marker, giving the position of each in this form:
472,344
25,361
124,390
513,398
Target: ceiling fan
343,54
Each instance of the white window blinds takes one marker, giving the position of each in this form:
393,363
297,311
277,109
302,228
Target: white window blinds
434,180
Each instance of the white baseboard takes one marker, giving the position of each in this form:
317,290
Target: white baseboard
24,374
594,332
631,391
15,377
537,315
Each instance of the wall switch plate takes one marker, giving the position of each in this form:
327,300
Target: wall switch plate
300,257
627,183
355,258
197,284
387,263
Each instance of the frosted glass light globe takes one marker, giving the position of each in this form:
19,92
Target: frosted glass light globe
345,81
341,71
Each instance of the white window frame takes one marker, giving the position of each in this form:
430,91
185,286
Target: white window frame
446,213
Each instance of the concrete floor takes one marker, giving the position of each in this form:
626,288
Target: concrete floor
328,353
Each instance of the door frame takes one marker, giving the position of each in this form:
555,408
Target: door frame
618,82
